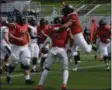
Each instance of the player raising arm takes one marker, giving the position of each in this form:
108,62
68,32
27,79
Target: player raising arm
72,22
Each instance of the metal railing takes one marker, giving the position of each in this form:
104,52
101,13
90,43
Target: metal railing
35,6
6,8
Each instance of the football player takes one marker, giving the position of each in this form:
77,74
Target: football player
72,49
5,48
42,36
20,40
58,49
72,22
104,33
34,48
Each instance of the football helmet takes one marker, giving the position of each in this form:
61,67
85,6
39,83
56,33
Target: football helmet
20,19
32,21
57,20
102,22
43,21
67,9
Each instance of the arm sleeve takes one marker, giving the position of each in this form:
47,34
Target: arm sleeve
47,31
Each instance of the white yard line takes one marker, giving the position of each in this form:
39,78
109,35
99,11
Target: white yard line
21,75
52,71
91,66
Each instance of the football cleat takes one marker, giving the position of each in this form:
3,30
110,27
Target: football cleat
94,48
75,69
108,68
39,87
29,82
63,87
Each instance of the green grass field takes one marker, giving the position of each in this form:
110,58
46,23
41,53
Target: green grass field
104,9
90,76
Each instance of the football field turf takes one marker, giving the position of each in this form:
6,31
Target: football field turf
90,76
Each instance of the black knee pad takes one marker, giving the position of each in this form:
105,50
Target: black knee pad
43,59
44,50
26,67
42,62
8,50
34,61
6,57
105,57
94,48
11,69
77,58
46,68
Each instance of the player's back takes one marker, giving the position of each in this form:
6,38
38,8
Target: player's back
76,26
104,33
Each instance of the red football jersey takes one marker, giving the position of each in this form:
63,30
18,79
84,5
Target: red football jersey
12,27
20,32
59,39
64,19
41,36
76,26
104,33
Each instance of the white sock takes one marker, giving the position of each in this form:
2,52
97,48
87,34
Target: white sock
107,64
34,67
65,76
43,77
27,77
76,66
